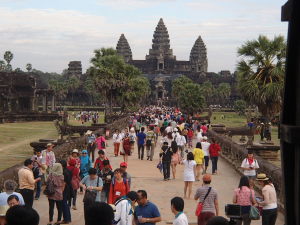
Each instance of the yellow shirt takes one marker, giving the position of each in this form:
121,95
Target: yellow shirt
198,155
26,179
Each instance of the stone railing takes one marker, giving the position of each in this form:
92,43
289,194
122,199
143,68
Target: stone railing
62,151
234,155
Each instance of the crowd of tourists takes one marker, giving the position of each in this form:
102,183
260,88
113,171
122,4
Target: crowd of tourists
107,192
85,116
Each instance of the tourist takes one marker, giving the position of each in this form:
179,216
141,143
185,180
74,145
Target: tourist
124,209
137,127
141,136
146,212
199,136
67,193
125,174
190,136
150,143
184,133
214,150
13,200
106,175
205,147
169,128
27,182
245,197
91,144
99,161
181,142
100,142
204,128
165,157
22,215
99,213
132,138
92,185
209,198
56,177
189,174
177,207
85,164
3,210
250,165
37,170
126,147
119,187
75,157
117,139
9,189
176,159
75,180
48,159
269,202
199,157
168,138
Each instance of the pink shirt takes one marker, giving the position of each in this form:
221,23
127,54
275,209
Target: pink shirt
98,142
243,196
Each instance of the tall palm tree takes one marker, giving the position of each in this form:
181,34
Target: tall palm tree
223,92
208,90
261,73
8,56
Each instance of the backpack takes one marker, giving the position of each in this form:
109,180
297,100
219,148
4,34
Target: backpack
50,187
102,143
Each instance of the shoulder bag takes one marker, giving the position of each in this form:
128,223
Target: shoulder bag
90,195
200,204
254,213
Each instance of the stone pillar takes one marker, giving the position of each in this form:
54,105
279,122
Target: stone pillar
44,103
53,103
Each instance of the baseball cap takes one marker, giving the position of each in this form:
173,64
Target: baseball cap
123,164
206,177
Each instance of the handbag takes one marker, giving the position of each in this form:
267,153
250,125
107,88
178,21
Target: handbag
90,196
159,166
254,213
200,204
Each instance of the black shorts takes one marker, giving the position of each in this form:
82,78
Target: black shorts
206,159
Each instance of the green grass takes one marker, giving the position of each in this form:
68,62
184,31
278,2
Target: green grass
16,137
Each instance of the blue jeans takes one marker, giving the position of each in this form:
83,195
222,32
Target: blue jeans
214,162
66,210
38,189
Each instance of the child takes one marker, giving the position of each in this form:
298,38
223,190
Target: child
166,156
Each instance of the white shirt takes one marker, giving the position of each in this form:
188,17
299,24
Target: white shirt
205,147
169,129
199,137
117,138
181,220
180,140
4,196
124,213
245,164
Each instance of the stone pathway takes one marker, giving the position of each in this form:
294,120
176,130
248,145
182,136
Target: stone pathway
146,176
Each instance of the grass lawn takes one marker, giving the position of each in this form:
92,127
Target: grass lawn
15,139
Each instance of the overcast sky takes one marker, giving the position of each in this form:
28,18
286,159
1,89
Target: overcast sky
49,34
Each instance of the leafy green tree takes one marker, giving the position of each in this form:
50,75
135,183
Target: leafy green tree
240,106
73,83
28,67
179,84
223,92
18,70
59,87
2,66
261,73
8,56
208,91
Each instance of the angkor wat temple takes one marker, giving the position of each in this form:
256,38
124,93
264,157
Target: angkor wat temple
161,67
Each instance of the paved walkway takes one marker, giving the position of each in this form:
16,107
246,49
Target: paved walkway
146,176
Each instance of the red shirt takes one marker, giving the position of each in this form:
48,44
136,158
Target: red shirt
117,190
190,134
214,150
75,171
99,163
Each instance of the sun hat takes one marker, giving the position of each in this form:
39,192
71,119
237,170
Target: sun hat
132,129
75,151
3,209
204,138
89,132
49,144
123,164
262,177
206,177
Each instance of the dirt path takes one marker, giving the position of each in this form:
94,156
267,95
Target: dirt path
146,176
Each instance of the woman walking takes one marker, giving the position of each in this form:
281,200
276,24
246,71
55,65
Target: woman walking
166,156
269,203
117,139
245,197
189,174
56,177
85,165
75,181
119,187
214,150
176,159
199,158
126,147
132,139
250,165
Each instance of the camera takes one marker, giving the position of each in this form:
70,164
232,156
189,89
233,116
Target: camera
233,212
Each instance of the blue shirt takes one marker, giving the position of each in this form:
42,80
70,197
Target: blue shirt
146,211
141,138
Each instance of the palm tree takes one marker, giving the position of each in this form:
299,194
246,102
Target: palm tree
73,85
223,92
8,56
2,65
28,67
208,91
261,73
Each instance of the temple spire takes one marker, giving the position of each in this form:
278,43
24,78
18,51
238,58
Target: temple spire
123,48
198,56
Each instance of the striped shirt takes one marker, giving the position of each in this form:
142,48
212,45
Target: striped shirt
209,203
151,136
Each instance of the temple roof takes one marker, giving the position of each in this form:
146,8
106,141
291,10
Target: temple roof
123,48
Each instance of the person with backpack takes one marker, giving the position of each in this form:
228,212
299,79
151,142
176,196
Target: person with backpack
55,192
107,175
67,193
100,142
125,208
126,147
141,136
75,180
99,161
166,156
250,165
118,188
150,143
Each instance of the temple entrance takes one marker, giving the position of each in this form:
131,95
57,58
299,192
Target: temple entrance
160,94
160,66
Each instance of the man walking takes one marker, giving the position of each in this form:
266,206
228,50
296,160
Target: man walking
141,136
177,206
48,159
91,138
27,182
146,212
150,143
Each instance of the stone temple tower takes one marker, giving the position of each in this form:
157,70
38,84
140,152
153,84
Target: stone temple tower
123,48
161,52
198,56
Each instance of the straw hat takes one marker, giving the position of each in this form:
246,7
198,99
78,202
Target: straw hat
89,132
262,177
3,209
